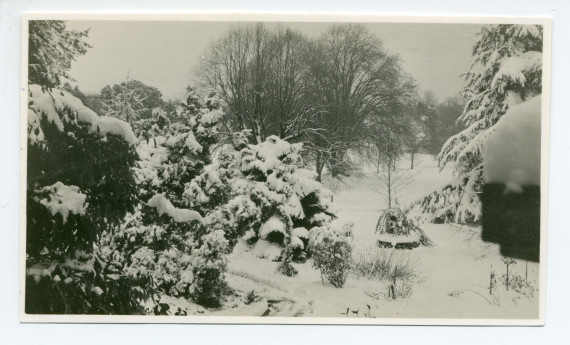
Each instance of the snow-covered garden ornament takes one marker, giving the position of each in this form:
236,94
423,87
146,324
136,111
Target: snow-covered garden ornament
398,231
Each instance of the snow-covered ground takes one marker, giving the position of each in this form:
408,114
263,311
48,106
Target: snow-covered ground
361,199
451,281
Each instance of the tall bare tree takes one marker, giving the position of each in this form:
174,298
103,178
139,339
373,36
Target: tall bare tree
351,78
291,112
260,74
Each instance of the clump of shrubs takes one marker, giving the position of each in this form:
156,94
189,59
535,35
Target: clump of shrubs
521,285
397,267
371,262
331,249
262,194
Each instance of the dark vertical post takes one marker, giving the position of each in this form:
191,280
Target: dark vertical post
491,281
507,276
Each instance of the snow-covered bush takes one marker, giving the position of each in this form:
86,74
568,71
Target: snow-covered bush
396,230
156,247
157,125
80,185
261,193
209,266
171,246
179,249
173,153
189,143
331,249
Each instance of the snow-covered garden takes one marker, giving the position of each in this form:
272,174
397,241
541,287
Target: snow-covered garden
300,178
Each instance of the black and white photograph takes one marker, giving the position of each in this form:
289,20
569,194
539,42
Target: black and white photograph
284,169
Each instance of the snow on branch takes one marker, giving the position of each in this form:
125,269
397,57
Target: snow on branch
63,199
179,215
273,224
53,105
515,67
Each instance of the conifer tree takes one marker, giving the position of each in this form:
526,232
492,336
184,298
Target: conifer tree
126,104
80,185
506,69
51,50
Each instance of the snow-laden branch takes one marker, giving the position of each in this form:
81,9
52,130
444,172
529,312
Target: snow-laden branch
516,67
63,200
52,105
179,215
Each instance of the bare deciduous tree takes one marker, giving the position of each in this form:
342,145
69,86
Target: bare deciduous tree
351,78
260,74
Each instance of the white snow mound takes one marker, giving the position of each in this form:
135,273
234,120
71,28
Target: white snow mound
63,200
512,151
273,224
267,250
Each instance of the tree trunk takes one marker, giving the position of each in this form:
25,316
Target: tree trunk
319,167
378,163
333,164
389,185
258,132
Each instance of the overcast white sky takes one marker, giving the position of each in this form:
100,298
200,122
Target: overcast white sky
164,54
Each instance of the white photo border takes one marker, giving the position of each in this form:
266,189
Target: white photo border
545,21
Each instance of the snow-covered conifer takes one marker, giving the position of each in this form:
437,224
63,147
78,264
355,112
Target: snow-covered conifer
261,192
80,186
127,103
52,48
162,239
506,69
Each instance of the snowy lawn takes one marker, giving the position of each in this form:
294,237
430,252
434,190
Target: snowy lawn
361,200
451,278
